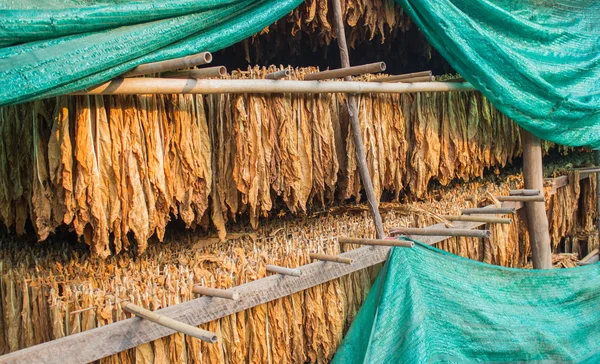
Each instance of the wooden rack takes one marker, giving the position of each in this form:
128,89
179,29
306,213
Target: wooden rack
111,339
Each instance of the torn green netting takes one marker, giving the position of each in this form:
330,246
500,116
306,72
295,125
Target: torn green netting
537,61
75,44
431,306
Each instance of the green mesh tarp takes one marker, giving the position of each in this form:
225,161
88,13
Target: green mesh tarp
431,306
537,61
52,47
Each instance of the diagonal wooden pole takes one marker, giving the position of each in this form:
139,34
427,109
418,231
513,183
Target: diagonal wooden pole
359,146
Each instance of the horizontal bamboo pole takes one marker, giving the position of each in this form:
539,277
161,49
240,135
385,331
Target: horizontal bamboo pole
330,258
442,232
486,219
283,270
348,71
404,76
134,86
524,192
384,242
418,79
171,64
277,75
590,170
214,292
539,198
186,329
489,211
208,72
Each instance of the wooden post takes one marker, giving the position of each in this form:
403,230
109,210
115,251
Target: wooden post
359,146
598,191
539,234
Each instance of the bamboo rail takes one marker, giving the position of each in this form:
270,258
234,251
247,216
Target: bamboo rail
442,232
330,258
346,71
277,75
404,76
489,211
417,79
282,270
214,292
539,198
524,192
382,242
170,65
193,331
218,71
486,219
147,85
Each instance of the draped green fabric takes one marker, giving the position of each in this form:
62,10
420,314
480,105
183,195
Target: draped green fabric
537,61
431,306
52,47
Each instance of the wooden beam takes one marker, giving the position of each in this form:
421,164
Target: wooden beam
485,219
359,146
158,86
417,79
284,271
378,242
489,211
346,71
277,75
214,292
539,198
441,232
208,72
537,220
396,78
524,192
171,64
169,323
330,258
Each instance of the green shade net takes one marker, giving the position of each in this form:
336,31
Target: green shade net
431,306
53,47
537,61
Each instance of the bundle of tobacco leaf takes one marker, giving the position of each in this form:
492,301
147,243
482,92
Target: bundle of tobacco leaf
48,291
117,169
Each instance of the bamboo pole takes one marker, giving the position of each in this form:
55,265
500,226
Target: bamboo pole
330,258
208,72
214,292
591,258
417,79
524,192
395,78
346,71
277,74
537,221
171,64
486,219
442,232
157,86
359,147
193,331
489,211
382,242
514,198
283,270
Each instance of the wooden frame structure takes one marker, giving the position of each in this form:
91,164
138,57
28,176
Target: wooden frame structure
111,339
